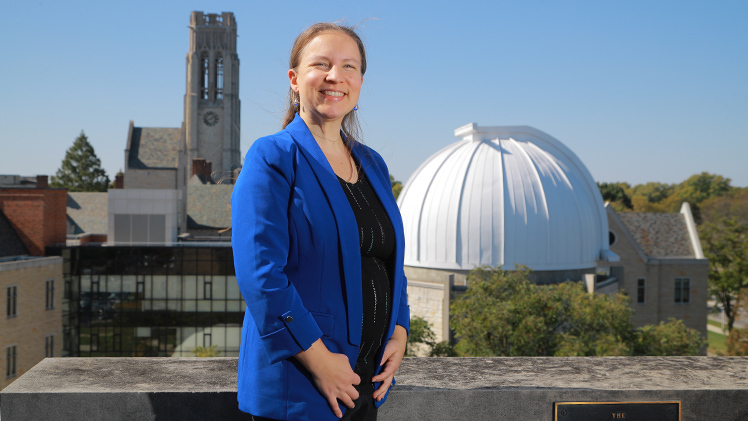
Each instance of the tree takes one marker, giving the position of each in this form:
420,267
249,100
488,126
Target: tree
725,244
615,193
396,186
421,335
503,314
667,339
81,169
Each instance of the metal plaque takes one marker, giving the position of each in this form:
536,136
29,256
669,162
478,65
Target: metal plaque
631,411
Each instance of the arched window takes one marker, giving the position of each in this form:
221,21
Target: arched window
219,77
204,75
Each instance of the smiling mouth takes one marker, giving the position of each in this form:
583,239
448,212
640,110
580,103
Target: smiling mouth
333,93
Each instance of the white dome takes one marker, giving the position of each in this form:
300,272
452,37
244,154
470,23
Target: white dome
503,196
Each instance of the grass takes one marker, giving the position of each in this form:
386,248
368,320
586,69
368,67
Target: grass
717,343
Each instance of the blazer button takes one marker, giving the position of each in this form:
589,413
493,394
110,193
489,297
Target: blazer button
289,319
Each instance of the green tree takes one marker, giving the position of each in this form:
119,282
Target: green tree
615,193
654,192
421,334
668,339
81,169
503,314
396,186
725,244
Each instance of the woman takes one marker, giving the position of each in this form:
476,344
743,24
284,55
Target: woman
318,250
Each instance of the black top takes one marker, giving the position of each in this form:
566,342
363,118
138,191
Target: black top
377,241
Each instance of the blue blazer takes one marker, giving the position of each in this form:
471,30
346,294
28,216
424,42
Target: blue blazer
298,265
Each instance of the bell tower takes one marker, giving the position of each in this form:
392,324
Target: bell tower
211,102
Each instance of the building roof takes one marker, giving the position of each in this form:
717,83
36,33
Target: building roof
503,196
208,205
153,147
659,234
10,243
87,213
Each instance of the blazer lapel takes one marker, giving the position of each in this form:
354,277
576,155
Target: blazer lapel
345,220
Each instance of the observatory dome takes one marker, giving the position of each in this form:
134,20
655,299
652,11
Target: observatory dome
504,196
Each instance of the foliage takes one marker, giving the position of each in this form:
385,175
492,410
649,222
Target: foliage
81,169
732,205
725,244
737,342
654,192
668,339
615,193
503,314
421,334
396,186
201,351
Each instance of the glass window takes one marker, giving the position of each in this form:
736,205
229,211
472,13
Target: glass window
641,291
205,74
11,301
94,342
10,361
219,77
49,346
50,294
682,290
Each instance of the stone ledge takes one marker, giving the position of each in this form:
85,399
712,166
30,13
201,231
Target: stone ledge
710,388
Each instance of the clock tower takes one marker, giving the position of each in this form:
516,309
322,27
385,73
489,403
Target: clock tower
211,103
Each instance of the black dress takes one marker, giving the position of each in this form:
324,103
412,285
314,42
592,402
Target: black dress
377,242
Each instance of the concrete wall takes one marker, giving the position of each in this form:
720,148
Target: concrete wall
33,321
37,215
477,389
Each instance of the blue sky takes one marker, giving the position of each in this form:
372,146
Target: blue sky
639,90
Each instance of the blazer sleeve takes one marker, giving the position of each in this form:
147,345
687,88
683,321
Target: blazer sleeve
260,240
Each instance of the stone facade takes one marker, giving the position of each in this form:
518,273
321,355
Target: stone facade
211,101
660,272
35,319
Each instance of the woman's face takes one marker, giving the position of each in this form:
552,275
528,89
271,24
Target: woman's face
328,78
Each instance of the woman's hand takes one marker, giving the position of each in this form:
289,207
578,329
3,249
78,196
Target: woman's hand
332,375
393,356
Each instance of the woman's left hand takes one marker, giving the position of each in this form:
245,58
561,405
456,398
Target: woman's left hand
393,356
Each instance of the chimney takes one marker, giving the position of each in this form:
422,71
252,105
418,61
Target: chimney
42,182
202,168
119,181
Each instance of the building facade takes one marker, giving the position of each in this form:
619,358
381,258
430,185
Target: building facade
124,301
31,321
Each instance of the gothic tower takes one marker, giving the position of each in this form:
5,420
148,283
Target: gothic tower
211,103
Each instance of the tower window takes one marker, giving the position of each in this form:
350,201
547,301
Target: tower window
219,77
205,74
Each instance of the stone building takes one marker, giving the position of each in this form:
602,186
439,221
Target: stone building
662,267
30,284
507,196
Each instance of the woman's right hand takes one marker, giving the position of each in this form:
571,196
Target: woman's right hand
332,375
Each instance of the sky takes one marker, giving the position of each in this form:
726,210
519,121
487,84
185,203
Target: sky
640,90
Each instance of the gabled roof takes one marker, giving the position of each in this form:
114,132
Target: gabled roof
10,242
659,234
153,147
87,213
208,204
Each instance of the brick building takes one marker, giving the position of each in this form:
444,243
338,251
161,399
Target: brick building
36,214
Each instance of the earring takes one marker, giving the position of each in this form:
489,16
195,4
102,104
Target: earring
355,107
